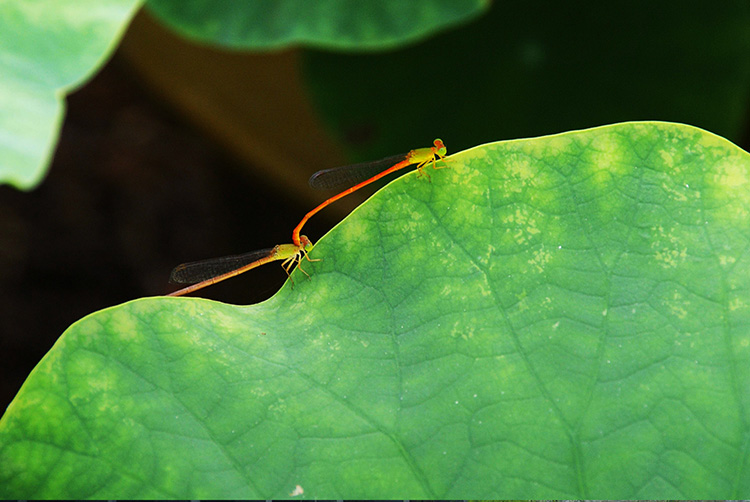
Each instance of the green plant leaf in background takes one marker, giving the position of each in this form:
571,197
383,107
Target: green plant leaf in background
330,24
560,317
48,47
543,67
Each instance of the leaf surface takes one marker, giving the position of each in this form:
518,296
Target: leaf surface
559,317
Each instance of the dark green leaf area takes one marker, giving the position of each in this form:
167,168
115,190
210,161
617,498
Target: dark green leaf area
330,24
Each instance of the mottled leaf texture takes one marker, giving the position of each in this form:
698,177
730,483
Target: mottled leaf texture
566,317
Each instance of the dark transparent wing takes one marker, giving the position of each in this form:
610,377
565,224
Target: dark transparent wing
348,176
202,270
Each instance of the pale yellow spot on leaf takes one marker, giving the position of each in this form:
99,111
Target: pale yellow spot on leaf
667,158
606,151
540,258
666,245
526,225
522,170
736,304
677,306
676,194
731,175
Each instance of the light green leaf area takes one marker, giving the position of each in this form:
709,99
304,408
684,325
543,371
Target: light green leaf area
330,24
47,47
560,317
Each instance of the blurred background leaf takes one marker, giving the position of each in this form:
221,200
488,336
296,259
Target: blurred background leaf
329,24
47,48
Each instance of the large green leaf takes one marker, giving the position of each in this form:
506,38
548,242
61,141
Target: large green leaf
561,317
333,24
47,47
537,67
